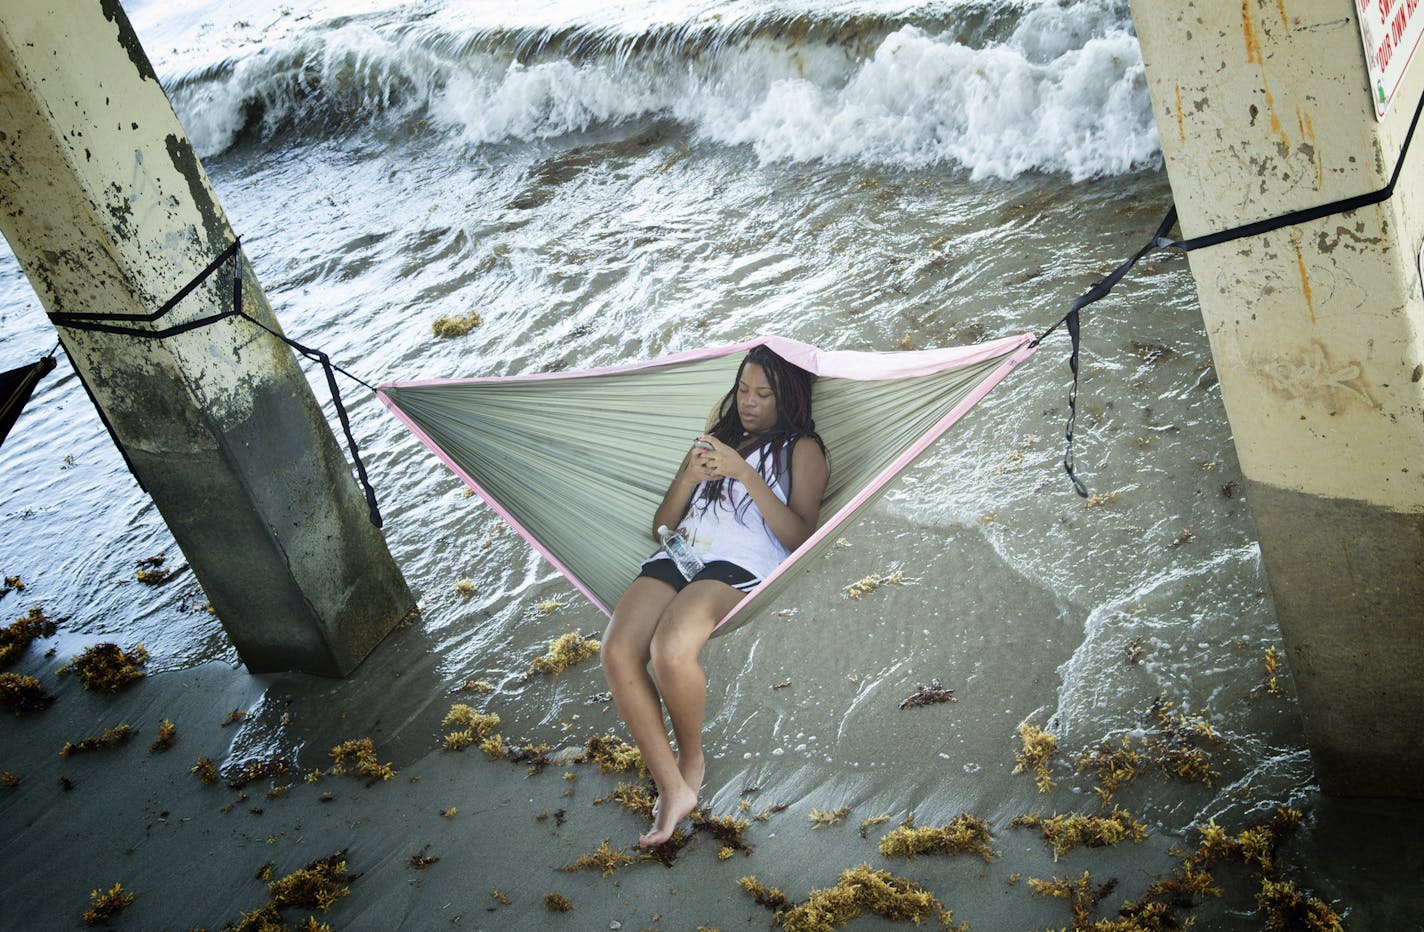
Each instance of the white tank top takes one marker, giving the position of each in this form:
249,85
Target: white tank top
724,530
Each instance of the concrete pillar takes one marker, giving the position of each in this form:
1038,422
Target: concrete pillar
107,209
1265,107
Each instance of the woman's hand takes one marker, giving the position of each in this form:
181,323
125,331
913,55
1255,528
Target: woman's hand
713,459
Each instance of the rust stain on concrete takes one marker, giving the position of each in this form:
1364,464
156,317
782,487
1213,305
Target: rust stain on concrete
1181,127
1304,281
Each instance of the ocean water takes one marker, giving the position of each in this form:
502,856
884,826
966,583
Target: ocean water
605,183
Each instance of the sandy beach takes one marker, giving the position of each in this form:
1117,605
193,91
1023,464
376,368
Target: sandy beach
451,836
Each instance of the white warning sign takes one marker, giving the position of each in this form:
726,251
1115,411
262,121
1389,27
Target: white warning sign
1391,30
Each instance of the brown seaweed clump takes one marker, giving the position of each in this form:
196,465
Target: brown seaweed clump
868,584
1287,909
557,903
23,694
357,758
605,860
1081,894
16,636
729,830
107,666
634,797
316,886
928,695
1038,747
447,327
612,754
206,770
477,726
963,833
167,735
420,860
8,780
116,735
257,768
105,906
564,651
770,897
858,891
821,818
1067,831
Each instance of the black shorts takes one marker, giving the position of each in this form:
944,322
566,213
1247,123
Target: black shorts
718,570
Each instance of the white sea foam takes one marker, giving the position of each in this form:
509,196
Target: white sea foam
1046,98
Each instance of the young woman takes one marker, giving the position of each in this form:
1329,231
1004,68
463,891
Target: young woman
746,495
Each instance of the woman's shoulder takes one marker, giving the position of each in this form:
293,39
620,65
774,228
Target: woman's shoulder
805,444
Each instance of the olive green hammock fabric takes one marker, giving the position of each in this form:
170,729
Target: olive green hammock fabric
578,462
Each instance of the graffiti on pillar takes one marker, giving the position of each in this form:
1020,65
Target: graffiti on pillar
1312,374
1391,31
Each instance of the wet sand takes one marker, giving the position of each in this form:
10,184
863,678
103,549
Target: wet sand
190,853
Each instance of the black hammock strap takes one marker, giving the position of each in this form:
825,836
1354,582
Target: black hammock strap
101,323
1160,240
16,386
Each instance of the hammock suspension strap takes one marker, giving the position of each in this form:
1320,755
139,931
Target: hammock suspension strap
101,323
1160,240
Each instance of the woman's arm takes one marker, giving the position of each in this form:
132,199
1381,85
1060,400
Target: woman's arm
679,495
791,522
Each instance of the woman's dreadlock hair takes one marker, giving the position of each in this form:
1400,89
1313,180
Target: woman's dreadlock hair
791,386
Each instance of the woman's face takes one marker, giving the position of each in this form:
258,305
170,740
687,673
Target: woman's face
756,403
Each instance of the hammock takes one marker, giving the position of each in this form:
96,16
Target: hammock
577,462
16,386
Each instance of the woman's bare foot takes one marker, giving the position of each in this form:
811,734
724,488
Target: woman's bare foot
692,770
672,808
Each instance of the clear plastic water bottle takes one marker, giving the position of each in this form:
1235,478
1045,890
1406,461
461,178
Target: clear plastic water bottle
677,547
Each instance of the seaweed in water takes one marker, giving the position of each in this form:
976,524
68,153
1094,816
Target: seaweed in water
257,768
859,890
116,735
557,903
605,860
928,695
23,694
963,833
446,327
107,666
565,650
1038,747
1115,766
105,906
8,780
1067,831
865,824
16,636
357,758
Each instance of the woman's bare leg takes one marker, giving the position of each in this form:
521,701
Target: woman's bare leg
677,640
626,652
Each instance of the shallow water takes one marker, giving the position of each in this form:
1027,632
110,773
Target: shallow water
606,184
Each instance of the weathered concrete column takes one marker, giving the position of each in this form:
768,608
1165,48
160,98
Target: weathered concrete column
108,211
1317,331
